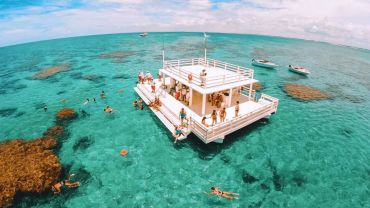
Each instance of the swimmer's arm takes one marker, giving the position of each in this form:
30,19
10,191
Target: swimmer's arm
231,193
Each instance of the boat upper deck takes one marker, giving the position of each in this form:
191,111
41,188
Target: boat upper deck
219,75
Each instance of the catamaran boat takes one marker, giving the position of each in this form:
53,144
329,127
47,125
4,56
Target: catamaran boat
144,34
203,79
299,70
263,63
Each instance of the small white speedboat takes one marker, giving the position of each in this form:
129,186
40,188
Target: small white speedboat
263,63
144,34
299,70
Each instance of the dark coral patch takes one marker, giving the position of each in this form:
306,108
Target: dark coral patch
83,143
61,92
121,76
299,180
248,178
94,78
20,114
5,112
55,131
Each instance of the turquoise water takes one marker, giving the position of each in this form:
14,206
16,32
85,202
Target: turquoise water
309,154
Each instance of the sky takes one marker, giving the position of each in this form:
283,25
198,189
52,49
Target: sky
344,22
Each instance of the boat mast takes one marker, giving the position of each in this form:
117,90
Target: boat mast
162,52
205,47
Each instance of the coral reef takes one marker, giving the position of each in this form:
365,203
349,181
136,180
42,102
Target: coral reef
116,55
66,114
257,86
305,93
27,166
31,166
55,132
45,73
5,112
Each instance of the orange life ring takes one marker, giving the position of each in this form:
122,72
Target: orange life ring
124,152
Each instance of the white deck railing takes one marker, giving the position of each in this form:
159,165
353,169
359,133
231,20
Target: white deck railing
220,130
242,73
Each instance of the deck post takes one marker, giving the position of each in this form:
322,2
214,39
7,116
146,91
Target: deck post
230,97
191,97
250,91
204,104
164,78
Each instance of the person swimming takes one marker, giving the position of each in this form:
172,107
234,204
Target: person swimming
87,101
223,194
102,94
108,109
135,104
45,108
94,100
56,188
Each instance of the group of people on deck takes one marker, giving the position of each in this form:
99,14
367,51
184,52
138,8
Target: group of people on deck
147,77
181,92
222,115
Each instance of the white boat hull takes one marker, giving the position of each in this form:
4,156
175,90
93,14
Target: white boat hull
299,71
265,65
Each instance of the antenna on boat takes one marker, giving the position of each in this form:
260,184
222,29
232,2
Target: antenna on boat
205,46
162,52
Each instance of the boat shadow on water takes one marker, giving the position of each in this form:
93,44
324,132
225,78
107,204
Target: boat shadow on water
210,150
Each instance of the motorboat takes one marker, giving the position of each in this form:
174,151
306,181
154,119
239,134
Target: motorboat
144,34
299,70
263,63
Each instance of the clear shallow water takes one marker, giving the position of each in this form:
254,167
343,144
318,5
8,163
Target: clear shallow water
310,154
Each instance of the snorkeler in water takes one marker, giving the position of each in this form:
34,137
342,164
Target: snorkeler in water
102,94
45,108
87,101
108,109
56,188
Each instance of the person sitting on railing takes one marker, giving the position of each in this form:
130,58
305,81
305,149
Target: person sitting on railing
203,75
190,77
214,117
204,122
222,114
149,77
182,116
237,109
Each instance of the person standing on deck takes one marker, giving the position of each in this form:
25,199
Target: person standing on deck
222,114
141,77
153,87
183,93
214,117
190,77
237,109
203,75
188,97
149,77
182,116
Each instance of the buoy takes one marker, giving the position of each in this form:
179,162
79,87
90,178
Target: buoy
124,152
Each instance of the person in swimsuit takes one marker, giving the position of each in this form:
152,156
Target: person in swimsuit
237,109
56,188
222,114
153,87
214,117
182,116
108,109
45,108
178,133
102,94
223,194
204,122
135,104
190,77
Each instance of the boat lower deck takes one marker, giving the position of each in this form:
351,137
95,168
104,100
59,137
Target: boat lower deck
171,107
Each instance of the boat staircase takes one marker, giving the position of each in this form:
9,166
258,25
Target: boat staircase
168,118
